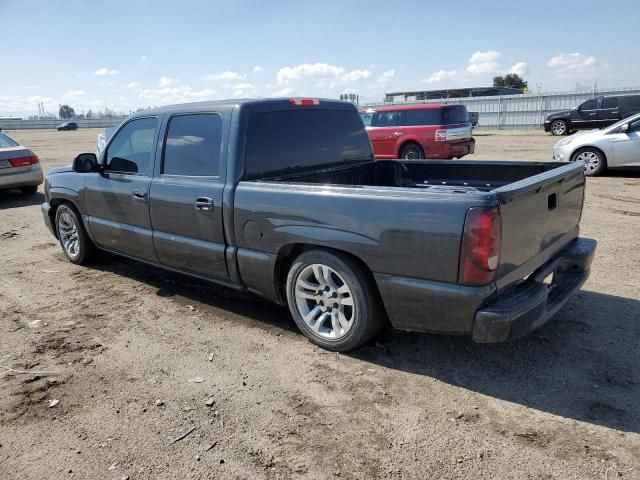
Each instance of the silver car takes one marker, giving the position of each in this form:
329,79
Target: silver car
19,167
614,147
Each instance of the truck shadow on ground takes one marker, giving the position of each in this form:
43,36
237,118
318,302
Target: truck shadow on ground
582,365
14,199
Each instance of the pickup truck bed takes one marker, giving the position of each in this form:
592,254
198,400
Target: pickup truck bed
484,248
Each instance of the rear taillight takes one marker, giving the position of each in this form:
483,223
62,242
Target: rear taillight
441,135
480,251
24,161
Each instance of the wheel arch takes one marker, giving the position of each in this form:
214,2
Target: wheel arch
593,147
289,252
408,141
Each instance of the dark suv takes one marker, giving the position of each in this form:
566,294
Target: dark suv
594,113
67,126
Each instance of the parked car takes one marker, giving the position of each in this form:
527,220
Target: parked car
19,167
419,131
283,198
594,113
615,147
67,126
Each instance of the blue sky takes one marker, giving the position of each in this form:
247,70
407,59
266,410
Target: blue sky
124,55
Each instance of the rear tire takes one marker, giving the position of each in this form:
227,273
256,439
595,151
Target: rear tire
595,163
559,127
75,242
412,151
31,190
332,300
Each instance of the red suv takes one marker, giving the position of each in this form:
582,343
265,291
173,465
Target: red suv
419,131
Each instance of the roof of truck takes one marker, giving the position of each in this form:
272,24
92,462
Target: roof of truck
230,103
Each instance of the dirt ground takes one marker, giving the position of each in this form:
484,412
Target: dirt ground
123,359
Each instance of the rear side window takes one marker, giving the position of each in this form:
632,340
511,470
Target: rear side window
609,103
6,141
193,144
303,138
632,101
456,114
432,116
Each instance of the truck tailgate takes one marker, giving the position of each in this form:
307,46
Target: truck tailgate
540,215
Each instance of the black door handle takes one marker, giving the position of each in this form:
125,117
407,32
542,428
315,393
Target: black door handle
139,195
204,204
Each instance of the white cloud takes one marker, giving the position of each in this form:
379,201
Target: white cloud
104,71
227,75
442,76
166,81
520,69
257,69
326,75
572,65
285,92
386,78
131,85
74,94
356,75
243,90
143,57
482,63
182,93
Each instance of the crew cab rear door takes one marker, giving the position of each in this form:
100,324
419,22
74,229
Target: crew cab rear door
186,195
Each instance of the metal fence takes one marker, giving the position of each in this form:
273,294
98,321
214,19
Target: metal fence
524,111
82,123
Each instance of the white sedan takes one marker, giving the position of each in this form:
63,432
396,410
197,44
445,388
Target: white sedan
614,147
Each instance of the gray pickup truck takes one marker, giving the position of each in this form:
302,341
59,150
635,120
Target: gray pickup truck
283,198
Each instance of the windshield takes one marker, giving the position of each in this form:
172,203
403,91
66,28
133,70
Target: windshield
622,122
6,142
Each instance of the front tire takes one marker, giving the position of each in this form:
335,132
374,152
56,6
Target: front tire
73,238
412,151
559,127
332,301
595,163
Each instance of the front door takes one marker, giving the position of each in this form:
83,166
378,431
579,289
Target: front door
586,115
117,199
385,134
626,147
186,196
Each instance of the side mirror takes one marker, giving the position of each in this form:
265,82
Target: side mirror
85,163
624,128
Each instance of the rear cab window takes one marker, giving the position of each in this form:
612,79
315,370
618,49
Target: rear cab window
193,144
300,139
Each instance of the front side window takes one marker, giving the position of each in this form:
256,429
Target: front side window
131,150
635,126
387,119
589,105
193,144
609,103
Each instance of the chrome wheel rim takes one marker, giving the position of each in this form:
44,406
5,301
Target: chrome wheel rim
591,161
558,128
68,234
324,301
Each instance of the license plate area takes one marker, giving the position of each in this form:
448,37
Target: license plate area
5,164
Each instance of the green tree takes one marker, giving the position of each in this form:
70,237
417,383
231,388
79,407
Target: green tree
510,80
66,112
